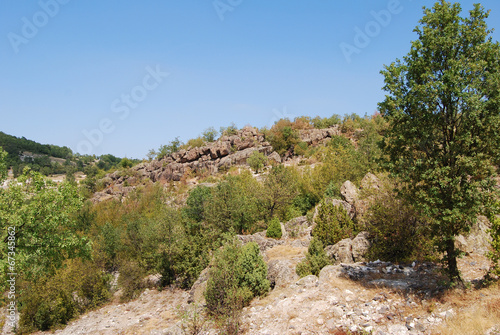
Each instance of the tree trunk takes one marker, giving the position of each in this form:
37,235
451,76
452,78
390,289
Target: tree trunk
451,255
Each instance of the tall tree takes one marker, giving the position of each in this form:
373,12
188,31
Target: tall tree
443,110
38,226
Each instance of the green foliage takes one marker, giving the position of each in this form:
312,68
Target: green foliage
257,160
316,259
280,190
230,130
398,234
53,301
131,280
234,204
442,110
126,163
237,275
210,134
282,136
193,143
332,224
195,203
274,228
43,215
253,270
168,149
3,165
321,123
494,253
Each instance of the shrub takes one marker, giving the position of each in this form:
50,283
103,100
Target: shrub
398,233
130,280
332,224
53,301
316,259
274,228
236,276
282,136
257,160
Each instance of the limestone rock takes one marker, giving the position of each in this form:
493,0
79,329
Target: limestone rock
348,250
275,157
196,294
281,273
328,273
308,281
349,192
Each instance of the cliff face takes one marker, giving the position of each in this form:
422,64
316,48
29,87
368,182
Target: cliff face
208,159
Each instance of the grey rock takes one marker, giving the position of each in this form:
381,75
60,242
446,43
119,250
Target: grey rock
349,192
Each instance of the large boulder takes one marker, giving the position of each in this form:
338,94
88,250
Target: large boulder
349,192
262,241
477,241
340,252
281,273
297,227
196,294
349,250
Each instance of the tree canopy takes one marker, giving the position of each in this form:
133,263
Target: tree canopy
443,110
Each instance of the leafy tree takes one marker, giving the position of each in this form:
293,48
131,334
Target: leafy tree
234,204
280,189
210,134
257,160
43,217
282,136
169,149
494,254
196,201
442,109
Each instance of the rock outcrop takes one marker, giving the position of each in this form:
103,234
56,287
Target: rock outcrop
349,250
211,158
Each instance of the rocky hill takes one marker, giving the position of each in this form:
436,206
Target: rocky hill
217,156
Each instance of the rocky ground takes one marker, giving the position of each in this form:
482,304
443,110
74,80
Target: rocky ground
360,298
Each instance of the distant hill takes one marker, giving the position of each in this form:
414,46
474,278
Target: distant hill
50,159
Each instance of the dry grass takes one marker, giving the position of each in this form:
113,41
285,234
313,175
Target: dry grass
476,312
285,252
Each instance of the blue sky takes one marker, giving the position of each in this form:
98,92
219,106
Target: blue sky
123,77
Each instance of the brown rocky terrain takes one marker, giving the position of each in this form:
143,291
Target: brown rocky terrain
217,156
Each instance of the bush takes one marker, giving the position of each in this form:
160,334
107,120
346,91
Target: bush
332,224
316,259
195,202
53,301
398,233
257,160
131,280
274,228
236,276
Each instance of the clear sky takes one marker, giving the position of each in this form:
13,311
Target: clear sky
123,77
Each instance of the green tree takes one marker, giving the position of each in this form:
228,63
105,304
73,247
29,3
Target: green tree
280,189
3,165
39,218
170,148
442,110
210,134
257,160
